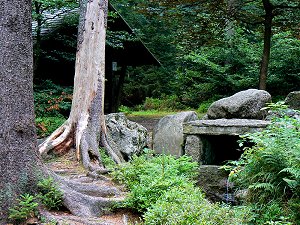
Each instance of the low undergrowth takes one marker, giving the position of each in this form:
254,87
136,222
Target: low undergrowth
270,170
163,189
27,207
52,104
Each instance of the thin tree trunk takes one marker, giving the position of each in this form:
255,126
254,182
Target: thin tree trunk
267,44
86,127
18,149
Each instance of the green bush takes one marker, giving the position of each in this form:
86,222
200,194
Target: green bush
26,208
163,188
203,107
149,177
125,109
270,213
107,161
49,194
270,170
52,100
165,103
186,205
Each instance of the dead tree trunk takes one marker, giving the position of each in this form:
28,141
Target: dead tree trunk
85,127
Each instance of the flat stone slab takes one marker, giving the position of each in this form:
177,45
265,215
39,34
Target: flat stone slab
224,126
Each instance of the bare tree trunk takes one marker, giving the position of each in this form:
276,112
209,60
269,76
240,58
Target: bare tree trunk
85,127
18,150
267,44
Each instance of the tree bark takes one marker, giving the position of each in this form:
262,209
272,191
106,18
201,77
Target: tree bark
85,127
37,46
18,148
268,7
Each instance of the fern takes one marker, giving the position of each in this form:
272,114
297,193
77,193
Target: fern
264,186
271,168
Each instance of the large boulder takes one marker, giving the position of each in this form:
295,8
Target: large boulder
168,133
293,100
242,105
129,137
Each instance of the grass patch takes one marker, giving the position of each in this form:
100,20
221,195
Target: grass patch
151,113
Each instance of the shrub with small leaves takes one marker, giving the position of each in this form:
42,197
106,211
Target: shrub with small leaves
52,100
49,195
148,177
46,125
186,205
26,208
107,161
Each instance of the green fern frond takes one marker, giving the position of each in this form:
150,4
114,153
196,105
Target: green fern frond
263,186
293,184
294,172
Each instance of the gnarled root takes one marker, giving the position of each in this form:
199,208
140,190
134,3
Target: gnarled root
86,138
59,141
88,200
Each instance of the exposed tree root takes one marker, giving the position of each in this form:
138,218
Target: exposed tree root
59,141
88,199
87,144
62,140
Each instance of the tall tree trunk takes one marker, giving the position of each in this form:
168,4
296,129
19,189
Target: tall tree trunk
18,150
267,44
85,127
37,45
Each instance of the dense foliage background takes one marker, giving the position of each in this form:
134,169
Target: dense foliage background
212,49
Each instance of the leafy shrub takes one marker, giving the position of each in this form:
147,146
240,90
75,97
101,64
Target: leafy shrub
52,100
52,105
107,161
270,213
50,195
125,109
163,188
46,125
149,177
270,170
25,208
186,205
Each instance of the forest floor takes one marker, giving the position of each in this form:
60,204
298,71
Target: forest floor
68,167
